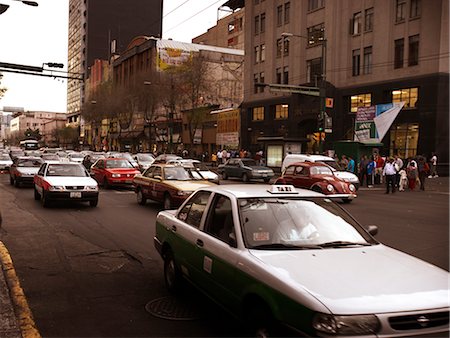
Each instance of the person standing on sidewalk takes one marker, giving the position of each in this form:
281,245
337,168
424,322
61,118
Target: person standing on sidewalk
412,173
363,170
371,166
398,162
433,162
424,171
389,173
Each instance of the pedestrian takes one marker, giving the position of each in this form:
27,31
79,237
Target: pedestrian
379,169
424,171
363,170
225,155
351,165
433,162
398,162
344,162
371,166
412,173
389,173
214,159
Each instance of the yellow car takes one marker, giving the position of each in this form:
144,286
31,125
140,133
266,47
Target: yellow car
166,183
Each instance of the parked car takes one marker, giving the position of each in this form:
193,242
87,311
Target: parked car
277,256
113,172
50,158
245,168
336,168
75,157
318,177
163,158
23,169
166,183
144,160
5,162
197,169
65,181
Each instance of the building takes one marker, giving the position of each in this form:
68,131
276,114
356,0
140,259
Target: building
312,60
98,29
5,122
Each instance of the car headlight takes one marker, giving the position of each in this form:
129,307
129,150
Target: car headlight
115,175
346,325
56,188
330,187
183,193
351,187
92,188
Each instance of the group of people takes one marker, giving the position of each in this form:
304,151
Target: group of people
223,155
396,173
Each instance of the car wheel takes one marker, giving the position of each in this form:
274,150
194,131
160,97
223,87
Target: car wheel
93,203
167,202
16,183
260,320
347,200
266,180
172,275
317,189
245,177
37,197
44,200
224,175
105,183
140,197
11,180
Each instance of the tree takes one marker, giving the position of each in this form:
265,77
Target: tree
66,136
33,134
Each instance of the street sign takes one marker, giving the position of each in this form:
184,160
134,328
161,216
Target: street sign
329,102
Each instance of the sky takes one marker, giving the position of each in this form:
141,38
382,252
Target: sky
33,36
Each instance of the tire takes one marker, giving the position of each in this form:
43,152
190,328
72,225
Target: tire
93,203
11,180
347,200
37,197
106,184
245,177
167,202
172,274
140,197
224,175
317,189
16,183
44,200
260,320
266,180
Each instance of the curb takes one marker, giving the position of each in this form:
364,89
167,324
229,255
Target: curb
20,304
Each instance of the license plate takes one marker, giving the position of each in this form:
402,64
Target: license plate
75,194
128,181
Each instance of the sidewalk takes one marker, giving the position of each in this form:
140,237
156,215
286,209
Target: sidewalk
16,320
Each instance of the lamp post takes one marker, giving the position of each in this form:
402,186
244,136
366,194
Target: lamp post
322,88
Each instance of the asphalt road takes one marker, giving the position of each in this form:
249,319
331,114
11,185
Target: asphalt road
94,272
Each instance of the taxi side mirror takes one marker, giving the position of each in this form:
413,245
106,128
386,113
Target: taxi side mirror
372,229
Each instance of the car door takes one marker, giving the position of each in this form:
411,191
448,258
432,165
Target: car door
145,182
39,178
233,168
97,170
301,177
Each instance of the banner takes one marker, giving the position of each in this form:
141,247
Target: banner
372,123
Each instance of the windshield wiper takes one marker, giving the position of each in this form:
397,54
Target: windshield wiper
339,244
283,246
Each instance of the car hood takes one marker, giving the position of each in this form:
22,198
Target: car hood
188,185
123,171
80,181
345,175
6,162
329,178
28,170
361,280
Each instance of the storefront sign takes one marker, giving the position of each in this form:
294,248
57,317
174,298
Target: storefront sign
228,139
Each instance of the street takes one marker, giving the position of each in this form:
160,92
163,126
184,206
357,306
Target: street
94,271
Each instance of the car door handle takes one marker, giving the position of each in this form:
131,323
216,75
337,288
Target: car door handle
199,242
173,228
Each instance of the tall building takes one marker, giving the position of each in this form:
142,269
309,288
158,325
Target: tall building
364,53
99,29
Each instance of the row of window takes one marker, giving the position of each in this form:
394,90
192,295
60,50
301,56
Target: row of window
356,22
401,10
408,95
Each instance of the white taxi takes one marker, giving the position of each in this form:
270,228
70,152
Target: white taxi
65,181
278,256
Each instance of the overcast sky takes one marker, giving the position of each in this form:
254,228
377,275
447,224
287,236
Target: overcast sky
36,35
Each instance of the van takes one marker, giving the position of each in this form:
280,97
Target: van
337,170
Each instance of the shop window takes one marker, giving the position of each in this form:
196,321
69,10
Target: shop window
360,100
258,114
274,155
404,139
407,95
281,111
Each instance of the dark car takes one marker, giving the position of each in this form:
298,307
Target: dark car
246,169
23,169
318,177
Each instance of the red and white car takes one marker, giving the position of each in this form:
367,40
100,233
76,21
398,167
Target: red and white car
113,171
64,182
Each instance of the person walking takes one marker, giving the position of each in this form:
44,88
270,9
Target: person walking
389,173
412,173
424,170
433,162
371,172
398,162
351,165
363,170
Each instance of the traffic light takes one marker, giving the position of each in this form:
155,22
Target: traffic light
320,122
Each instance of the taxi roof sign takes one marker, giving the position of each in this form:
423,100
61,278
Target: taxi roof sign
282,189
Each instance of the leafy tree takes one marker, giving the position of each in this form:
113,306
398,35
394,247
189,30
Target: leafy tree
33,134
66,136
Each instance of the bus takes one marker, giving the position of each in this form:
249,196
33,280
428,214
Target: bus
29,145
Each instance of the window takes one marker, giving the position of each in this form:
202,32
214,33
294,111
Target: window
255,82
315,4
263,23
220,220
367,66
360,100
279,42
281,111
404,139
261,80
274,155
414,10
258,114
285,47
257,55
286,75
413,52
193,211
356,24
287,12
400,10
257,25
356,61
263,53
368,20
399,51
316,34
314,69
278,75
407,95
279,15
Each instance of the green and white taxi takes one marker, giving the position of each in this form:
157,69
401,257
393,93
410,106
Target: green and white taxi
277,256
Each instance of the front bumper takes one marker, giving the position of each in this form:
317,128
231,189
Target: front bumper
343,196
82,196
120,181
25,179
261,175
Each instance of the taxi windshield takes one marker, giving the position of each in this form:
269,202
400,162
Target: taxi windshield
276,223
176,173
66,170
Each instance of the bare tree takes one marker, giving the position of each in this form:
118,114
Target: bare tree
2,89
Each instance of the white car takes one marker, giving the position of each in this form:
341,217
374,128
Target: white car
65,181
75,157
197,169
337,170
274,255
5,162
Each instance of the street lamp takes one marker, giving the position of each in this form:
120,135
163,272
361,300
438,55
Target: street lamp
322,90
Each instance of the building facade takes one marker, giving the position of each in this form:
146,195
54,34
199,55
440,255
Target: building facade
98,29
352,54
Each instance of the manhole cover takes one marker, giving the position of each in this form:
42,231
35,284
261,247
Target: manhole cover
172,308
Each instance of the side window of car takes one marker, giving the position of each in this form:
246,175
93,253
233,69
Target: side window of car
100,164
193,211
42,169
149,172
289,170
220,219
157,172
